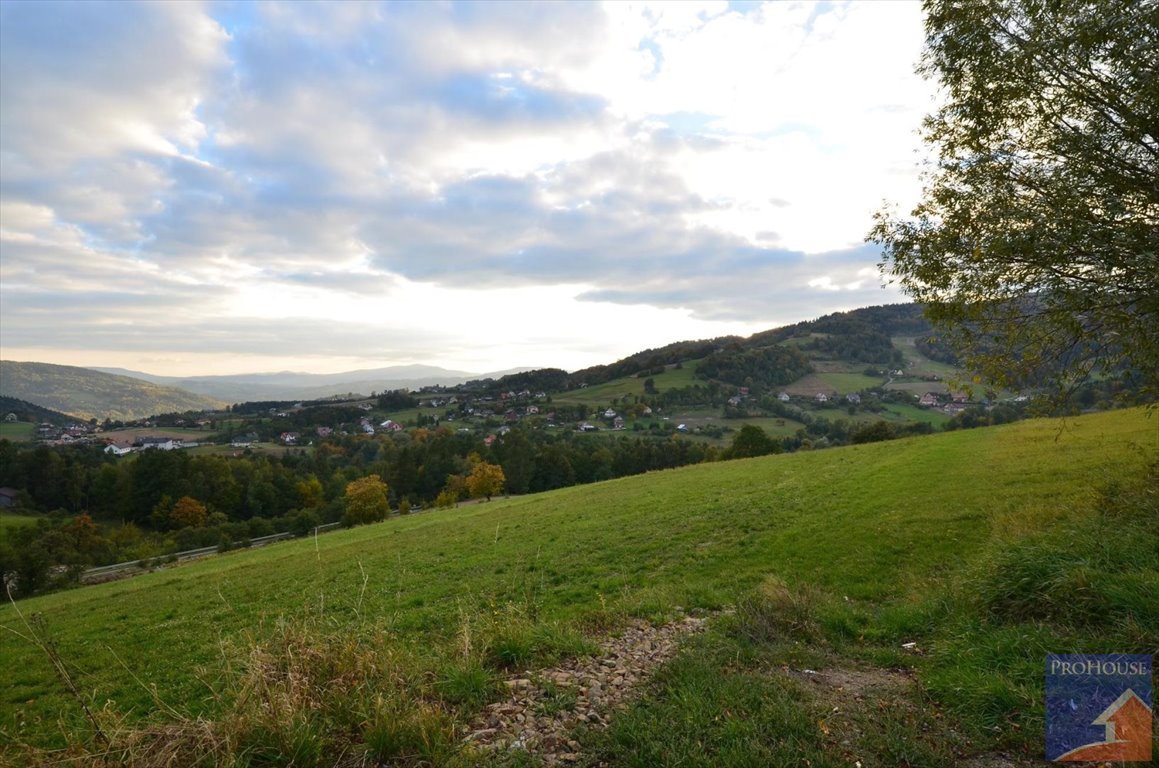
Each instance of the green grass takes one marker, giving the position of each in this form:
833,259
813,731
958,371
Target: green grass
17,431
601,395
918,363
911,413
886,539
919,388
13,520
842,383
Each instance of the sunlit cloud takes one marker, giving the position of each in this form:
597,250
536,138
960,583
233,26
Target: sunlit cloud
474,185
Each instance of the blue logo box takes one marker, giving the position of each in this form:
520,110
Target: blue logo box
1098,707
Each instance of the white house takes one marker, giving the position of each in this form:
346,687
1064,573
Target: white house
118,449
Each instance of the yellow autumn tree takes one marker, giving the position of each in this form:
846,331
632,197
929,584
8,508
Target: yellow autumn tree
365,501
486,480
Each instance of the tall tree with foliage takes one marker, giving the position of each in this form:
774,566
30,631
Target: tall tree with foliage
365,501
486,480
1035,247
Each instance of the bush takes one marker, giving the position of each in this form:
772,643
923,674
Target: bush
303,522
775,611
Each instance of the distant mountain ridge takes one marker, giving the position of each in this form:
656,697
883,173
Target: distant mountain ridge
92,394
289,385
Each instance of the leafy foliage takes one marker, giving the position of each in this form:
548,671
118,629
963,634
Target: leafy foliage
486,480
764,367
366,501
1037,239
750,441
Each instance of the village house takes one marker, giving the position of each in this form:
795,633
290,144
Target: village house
822,397
8,497
854,398
618,422
784,397
121,448
928,400
159,443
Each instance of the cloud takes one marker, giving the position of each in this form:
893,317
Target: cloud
280,167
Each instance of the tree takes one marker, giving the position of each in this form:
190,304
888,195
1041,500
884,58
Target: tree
188,512
486,480
750,441
310,492
1035,247
365,501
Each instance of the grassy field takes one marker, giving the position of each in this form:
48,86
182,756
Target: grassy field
841,383
831,559
17,431
190,435
919,364
601,395
914,413
12,520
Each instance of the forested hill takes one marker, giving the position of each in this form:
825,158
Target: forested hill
775,357
30,413
91,394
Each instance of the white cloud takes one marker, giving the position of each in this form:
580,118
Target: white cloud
586,177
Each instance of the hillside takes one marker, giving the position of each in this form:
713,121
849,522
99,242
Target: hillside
29,413
956,544
289,385
94,395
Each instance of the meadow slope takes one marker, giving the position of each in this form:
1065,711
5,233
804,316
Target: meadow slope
875,532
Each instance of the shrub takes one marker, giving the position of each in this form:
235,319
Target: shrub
775,611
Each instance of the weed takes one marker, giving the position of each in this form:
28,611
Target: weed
416,733
774,611
467,684
555,698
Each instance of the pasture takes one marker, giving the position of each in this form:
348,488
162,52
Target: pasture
883,540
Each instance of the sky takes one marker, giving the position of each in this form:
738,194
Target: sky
210,188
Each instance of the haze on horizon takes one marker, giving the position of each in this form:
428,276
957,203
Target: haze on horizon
212,188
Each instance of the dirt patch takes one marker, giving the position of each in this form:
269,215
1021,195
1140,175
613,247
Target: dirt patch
545,705
858,701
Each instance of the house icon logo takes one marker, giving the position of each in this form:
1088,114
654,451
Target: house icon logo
1099,707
